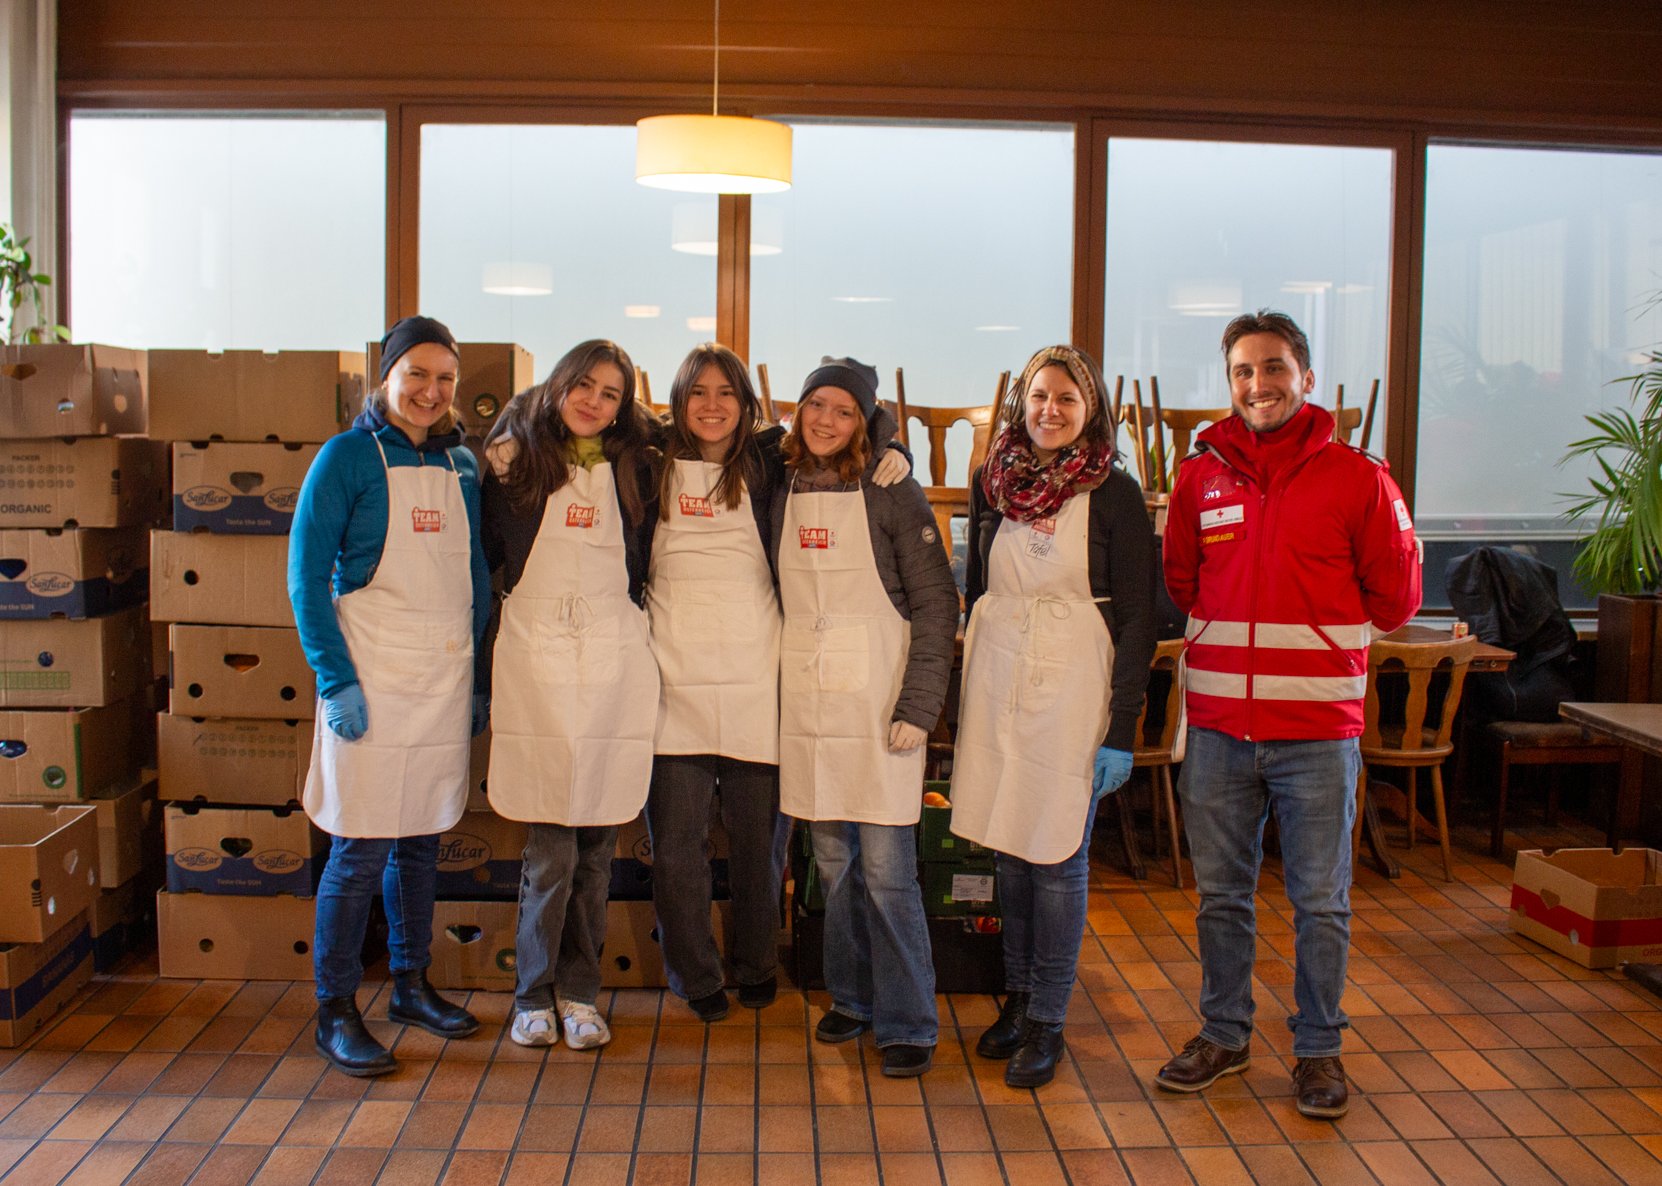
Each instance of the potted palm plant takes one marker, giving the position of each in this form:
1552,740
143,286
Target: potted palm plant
1621,559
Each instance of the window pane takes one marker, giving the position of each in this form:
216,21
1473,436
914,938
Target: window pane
1199,231
227,231
539,234
943,250
1537,265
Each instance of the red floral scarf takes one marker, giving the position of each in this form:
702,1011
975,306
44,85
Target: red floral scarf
1024,488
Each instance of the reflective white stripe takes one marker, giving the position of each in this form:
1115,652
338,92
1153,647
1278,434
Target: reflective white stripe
1223,634
1309,687
1286,636
1217,683
1299,637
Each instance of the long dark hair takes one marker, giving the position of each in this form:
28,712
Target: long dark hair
531,421
741,465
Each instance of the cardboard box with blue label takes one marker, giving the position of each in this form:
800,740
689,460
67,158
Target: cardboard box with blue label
82,482
248,395
259,851
238,489
38,979
58,572
55,663
57,755
481,857
65,389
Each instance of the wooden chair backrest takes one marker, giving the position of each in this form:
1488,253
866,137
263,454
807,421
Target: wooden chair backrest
1154,746
1420,662
936,422
1181,423
1350,419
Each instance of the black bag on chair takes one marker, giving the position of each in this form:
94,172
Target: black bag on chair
1510,600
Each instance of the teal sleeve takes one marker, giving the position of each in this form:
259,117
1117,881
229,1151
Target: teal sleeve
332,498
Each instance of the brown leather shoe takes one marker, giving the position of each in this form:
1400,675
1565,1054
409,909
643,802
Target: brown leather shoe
1319,1084
1201,1064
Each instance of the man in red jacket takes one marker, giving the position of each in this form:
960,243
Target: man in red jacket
1289,552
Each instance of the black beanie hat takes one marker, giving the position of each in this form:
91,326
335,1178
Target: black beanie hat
413,331
849,374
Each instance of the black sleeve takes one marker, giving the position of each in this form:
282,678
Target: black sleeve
931,601
1122,569
979,532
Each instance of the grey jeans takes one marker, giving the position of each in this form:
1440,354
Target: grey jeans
678,816
562,913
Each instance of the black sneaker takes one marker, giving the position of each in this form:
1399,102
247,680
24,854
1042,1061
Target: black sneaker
759,995
839,1027
907,1062
710,1008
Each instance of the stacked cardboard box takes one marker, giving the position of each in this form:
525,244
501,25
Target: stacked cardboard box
243,859
76,694
960,905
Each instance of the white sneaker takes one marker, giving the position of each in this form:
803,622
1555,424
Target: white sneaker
585,1028
535,1027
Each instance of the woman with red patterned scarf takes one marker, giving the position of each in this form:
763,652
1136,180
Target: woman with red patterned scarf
1060,592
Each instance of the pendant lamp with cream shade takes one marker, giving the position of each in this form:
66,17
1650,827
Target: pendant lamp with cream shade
713,154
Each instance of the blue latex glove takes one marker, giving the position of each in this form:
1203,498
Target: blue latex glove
346,712
1112,768
481,712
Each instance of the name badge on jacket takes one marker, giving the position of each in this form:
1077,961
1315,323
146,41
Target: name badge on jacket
1222,524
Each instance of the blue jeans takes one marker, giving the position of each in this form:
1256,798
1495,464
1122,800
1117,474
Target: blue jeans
1044,922
878,966
1228,787
678,816
406,870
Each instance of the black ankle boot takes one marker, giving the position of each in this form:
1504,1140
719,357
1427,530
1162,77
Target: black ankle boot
414,1002
1004,1035
1034,1062
343,1040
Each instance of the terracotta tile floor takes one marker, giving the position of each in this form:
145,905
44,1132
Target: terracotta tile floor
1476,1058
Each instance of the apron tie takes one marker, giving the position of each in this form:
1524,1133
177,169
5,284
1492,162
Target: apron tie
1033,611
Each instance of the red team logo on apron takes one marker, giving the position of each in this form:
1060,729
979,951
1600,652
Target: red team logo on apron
426,521
819,538
1043,538
578,515
698,508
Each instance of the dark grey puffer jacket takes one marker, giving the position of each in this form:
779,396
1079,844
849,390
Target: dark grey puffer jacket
913,566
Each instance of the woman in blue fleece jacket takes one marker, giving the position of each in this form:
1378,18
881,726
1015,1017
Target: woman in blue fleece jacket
390,591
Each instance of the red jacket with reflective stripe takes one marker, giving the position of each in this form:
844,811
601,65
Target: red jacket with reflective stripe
1285,585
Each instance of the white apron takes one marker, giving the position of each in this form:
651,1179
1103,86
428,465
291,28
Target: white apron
410,634
575,688
842,661
1034,708
715,624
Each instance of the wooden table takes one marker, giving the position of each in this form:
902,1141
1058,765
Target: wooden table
1484,658
1639,728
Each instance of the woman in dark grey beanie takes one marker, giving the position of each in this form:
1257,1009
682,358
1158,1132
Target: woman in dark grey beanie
870,612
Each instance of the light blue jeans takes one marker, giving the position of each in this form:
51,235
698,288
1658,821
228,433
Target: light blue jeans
1228,788
878,966
1044,922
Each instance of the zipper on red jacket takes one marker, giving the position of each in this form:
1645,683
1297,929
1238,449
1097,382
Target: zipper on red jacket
1252,612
